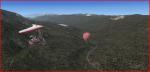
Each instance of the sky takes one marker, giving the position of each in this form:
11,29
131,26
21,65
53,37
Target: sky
102,8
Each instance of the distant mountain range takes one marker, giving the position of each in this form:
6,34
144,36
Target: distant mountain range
120,42
85,21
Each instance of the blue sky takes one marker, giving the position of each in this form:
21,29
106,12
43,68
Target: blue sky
106,8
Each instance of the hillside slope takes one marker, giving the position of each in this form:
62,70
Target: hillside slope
64,47
122,41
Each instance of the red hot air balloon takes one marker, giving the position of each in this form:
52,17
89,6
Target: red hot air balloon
86,36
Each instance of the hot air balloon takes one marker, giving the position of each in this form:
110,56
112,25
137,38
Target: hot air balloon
86,36
35,29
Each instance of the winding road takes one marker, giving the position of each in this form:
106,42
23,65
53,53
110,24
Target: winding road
93,64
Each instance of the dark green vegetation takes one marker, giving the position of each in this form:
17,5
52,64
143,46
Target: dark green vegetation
64,49
120,44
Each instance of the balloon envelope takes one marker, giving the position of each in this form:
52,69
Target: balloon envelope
30,29
86,36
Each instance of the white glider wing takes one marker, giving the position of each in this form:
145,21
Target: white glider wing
30,29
